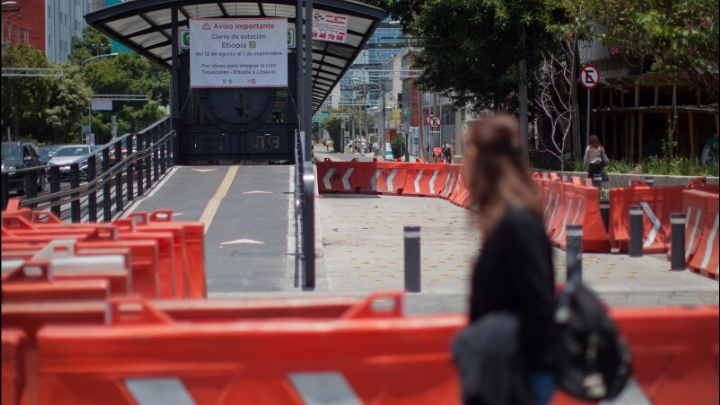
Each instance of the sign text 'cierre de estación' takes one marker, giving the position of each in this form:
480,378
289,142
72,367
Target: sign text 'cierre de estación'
238,52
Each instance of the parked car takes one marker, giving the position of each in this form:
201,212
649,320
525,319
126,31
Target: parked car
16,156
46,152
65,156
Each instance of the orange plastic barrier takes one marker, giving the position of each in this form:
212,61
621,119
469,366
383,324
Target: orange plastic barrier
216,363
425,179
581,205
340,177
694,209
144,256
194,249
556,211
675,354
658,203
705,260
453,171
21,285
383,177
13,365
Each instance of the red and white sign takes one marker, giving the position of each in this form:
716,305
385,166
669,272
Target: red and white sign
401,128
589,77
329,27
435,122
428,119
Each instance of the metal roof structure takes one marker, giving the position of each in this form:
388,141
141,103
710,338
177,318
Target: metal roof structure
145,26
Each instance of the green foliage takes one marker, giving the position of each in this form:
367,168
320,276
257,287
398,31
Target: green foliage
92,43
333,124
129,74
69,100
681,36
398,147
654,165
24,98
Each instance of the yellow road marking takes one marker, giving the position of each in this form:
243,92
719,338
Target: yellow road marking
214,203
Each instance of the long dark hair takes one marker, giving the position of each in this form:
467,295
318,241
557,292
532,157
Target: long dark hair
496,171
594,142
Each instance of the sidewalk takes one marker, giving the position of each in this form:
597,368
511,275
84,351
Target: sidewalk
363,252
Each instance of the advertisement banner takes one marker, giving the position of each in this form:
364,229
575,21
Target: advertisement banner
329,27
101,104
238,52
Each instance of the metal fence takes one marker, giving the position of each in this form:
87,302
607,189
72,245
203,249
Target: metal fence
99,185
305,212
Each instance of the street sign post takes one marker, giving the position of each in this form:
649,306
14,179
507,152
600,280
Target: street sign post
435,122
590,79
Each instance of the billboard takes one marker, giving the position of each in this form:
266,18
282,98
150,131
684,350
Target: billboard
238,52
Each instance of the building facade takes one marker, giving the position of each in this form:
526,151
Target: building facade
48,25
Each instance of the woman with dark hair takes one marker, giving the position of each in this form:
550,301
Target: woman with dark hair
514,273
595,157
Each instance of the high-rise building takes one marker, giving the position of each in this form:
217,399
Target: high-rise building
361,83
48,25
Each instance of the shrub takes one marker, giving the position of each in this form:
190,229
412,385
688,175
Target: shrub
398,147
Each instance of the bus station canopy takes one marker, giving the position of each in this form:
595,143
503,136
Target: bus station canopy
145,26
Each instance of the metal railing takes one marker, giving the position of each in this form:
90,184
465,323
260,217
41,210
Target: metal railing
304,194
112,176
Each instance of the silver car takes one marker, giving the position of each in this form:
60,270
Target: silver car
65,156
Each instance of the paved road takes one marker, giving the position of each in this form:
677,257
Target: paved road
246,243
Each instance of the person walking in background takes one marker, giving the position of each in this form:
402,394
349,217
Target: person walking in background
595,158
514,272
710,151
448,153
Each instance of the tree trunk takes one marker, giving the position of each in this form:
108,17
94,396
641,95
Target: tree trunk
522,67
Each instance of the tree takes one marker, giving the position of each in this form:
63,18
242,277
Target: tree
333,124
129,74
681,37
473,49
554,100
24,98
92,43
69,102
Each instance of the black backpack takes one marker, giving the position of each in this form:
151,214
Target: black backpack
595,361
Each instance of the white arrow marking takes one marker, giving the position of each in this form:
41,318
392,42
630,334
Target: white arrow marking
552,217
448,181
655,221
156,391
373,181
243,241
547,207
577,213
326,179
417,182
432,181
204,170
691,242
329,388
346,177
567,214
391,186
710,244
257,192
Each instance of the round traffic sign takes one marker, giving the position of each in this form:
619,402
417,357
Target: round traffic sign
589,77
428,119
435,122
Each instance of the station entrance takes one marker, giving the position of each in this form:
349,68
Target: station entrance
244,123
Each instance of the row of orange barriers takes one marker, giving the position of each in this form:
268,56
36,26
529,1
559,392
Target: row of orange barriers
146,254
296,351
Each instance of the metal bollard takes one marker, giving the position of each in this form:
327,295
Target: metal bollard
412,258
677,247
574,252
649,181
636,231
605,213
